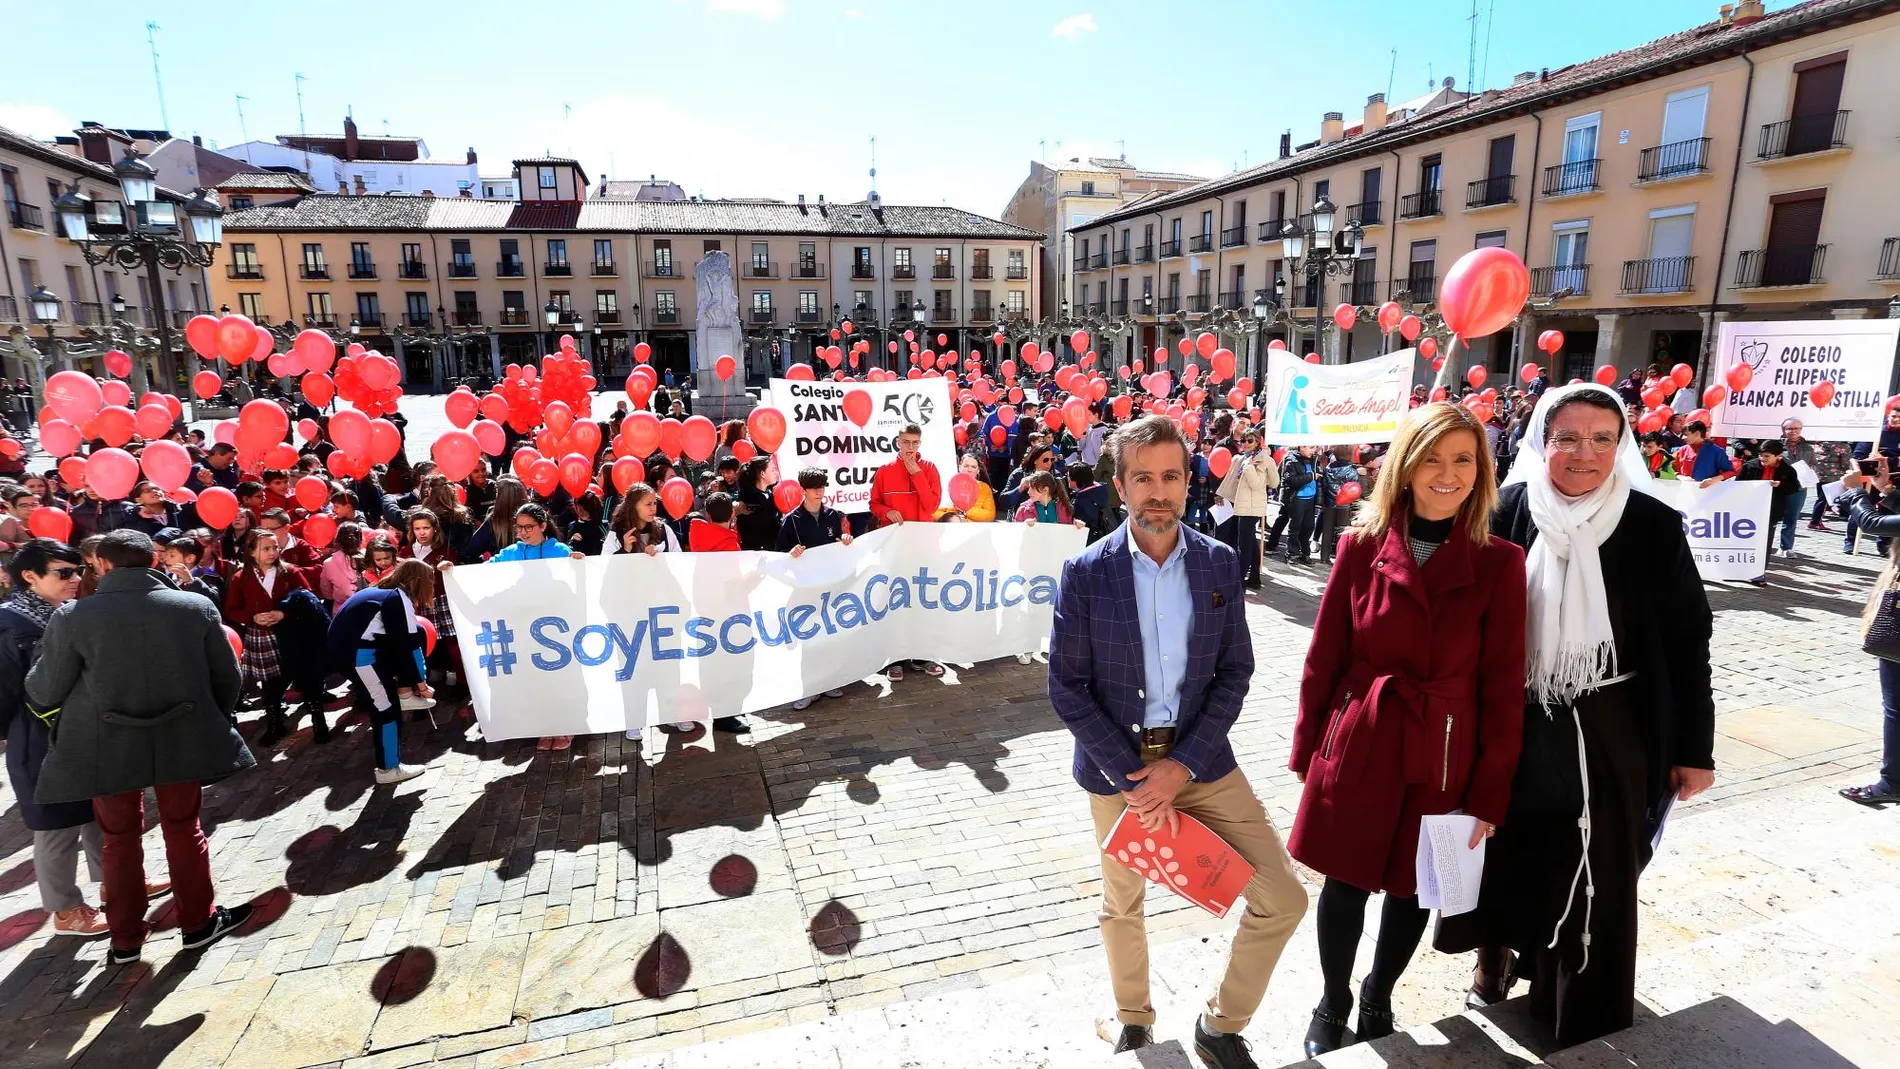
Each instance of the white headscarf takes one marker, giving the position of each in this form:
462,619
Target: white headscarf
1568,642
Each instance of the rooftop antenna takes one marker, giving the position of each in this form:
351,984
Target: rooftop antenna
1471,51
873,166
302,132
567,121
243,131
385,127
1122,144
151,39
1490,21
1391,73
1043,145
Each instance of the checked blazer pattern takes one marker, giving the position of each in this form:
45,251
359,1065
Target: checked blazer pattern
1096,678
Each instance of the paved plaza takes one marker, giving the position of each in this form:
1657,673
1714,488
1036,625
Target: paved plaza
903,877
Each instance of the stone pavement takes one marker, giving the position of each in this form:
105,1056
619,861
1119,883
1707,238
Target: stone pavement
898,878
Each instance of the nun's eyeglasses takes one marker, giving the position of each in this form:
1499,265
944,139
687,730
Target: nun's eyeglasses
1570,443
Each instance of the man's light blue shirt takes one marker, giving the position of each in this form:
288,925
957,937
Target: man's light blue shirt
1164,603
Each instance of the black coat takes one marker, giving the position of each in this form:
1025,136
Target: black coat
28,737
1647,560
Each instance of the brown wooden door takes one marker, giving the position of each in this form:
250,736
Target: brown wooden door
1794,229
1501,152
1817,97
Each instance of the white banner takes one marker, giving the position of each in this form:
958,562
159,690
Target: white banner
826,426
1335,404
1789,359
1727,524
574,647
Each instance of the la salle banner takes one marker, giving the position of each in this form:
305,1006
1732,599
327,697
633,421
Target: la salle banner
1727,524
850,430
1335,404
1788,359
573,647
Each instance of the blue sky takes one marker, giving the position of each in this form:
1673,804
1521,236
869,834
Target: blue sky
779,97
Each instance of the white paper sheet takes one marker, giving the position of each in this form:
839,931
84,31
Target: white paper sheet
1832,491
1669,808
1806,473
1221,513
1449,872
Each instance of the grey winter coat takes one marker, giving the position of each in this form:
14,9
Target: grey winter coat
147,688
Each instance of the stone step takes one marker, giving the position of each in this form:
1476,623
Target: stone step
1721,1033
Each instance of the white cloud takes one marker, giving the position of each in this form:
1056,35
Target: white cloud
852,13
764,9
1074,26
35,120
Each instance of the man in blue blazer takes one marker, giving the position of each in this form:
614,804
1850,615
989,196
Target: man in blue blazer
1149,661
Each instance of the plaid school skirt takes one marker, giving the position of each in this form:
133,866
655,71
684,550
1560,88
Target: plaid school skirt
263,657
438,614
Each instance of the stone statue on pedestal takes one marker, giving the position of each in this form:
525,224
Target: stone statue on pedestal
718,334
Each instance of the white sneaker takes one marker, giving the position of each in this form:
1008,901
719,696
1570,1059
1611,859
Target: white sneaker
417,701
387,776
633,734
1024,658
834,693
802,703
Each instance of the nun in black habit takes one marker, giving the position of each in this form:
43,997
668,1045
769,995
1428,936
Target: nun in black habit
1619,718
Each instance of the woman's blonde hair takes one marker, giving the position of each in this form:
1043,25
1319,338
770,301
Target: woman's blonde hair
1419,433
414,578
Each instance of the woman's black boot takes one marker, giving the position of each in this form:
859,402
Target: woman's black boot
319,724
1327,1032
1375,1019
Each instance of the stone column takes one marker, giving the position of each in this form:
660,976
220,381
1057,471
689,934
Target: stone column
1524,348
1609,332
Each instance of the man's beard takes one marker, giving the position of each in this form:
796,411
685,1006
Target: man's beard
1154,526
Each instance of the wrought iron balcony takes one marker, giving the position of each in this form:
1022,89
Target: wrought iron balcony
1667,274
804,269
984,272
557,269
1168,305
864,313
1803,134
808,316
1365,213
1121,257
1233,235
1491,192
950,270
607,316
863,271
1145,254
1889,260
1422,285
982,313
1363,291
1170,248
1678,159
1236,300
1270,230
761,269
90,314
910,270
1118,308
251,272
412,269
1200,302
1548,280
368,320
311,271
666,317
943,315
467,317
416,320
10,310
362,269
326,320
1783,265
1570,179
1201,243
662,270
25,216
511,269
462,269
1016,273
763,316
514,317
605,269
1420,205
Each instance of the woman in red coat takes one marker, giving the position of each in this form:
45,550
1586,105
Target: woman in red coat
1411,703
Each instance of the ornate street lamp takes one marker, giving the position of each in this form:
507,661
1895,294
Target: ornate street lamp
1329,253
139,231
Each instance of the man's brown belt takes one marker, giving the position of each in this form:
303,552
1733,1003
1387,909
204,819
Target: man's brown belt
1156,743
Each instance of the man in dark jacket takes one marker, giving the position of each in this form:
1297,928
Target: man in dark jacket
146,686
45,575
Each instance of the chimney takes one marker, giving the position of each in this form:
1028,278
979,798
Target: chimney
1748,11
1524,77
468,192
1332,128
197,142
342,189
1286,144
94,144
1375,113
361,189
801,204
471,155
1722,16
350,142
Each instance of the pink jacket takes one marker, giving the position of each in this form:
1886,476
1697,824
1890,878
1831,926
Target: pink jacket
339,579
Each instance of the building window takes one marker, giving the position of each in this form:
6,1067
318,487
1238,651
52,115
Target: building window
565,302
313,258
807,255
320,308
666,306
369,310
941,300
467,311
861,259
417,307
762,301
903,299
607,306
251,306
1088,188
862,299
547,177
1013,301
807,303
603,252
1207,224
709,246
244,257
761,257
942,257
238,204
461,258
557,252
900,257
514,301
1490,240
663,257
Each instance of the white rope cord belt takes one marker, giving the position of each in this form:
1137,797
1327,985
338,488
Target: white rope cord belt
1584,872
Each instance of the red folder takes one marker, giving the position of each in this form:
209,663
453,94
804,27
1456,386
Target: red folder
1196,864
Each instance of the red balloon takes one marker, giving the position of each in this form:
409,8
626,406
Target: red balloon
788,495
456,453
698,437
1347,494
1079,342
261,424
1714,396
217,507
1428,348
766,427
201,333
166,464
114,392
489,436
319,389
625,472
1475,375
1484,291
385,441
280,456
349,431
1528,373
461,406
49,522
1605,375
1345,316
642,352
576,472
672,440
319,529
1220,460
237,338
1000,437
1681,375
312,493
111,473
73,396
857,407
153,421
1389,315
1822,394
804,373
1739,377
428,633
1551,341
962,490
676,496
1410,326
115,425
725,367
544,476
641,431
1653,397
